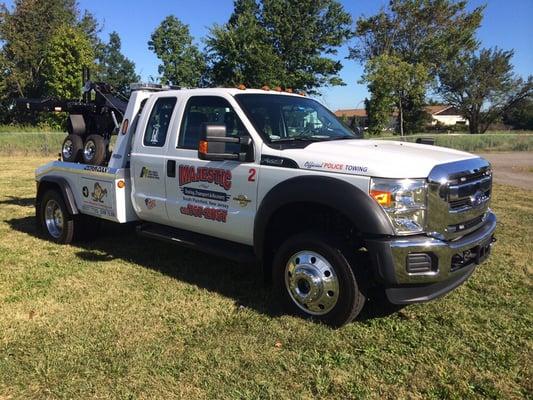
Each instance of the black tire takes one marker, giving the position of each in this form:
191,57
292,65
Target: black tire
95,150
350,298
72,148
54,219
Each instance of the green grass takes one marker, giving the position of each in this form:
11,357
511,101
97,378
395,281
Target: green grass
26,128
474,143
125,317
31,143
49,143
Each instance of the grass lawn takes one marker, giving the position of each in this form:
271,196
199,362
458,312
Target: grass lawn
125,317
33,143
476,143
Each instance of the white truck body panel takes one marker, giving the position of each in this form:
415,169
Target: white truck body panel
374,158
162,199
95,189
150,195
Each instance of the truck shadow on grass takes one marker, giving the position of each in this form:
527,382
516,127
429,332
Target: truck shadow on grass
242,283
18,201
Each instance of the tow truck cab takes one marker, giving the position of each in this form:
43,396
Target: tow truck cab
275,178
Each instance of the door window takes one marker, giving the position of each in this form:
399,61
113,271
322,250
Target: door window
159,121
202,110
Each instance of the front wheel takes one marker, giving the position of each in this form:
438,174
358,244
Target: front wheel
314,278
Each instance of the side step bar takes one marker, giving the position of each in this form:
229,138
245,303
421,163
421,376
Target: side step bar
218,247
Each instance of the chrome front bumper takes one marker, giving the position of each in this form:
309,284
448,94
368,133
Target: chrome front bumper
390,257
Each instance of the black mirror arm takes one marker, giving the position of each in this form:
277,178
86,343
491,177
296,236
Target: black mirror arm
244,140
222,156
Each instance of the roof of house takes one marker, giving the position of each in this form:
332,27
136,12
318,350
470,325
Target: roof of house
361,112
437,109
353,112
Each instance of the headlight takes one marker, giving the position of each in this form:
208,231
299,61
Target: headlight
404,201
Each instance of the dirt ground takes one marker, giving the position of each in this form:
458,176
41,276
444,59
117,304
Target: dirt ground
513,168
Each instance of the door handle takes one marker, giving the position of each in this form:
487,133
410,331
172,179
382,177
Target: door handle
171,168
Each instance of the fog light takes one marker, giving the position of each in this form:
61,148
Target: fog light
420,263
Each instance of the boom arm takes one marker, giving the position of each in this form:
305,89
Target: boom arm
86,117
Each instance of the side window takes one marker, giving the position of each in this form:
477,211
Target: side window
157,127
207,110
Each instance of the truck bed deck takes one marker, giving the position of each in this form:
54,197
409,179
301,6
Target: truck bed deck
98,191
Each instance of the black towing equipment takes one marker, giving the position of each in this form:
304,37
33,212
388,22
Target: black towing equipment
91,121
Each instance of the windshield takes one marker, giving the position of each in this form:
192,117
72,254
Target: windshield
289,118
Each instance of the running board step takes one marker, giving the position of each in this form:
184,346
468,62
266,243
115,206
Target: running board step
206,244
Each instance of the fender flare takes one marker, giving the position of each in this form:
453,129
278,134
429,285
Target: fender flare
64,189
362,211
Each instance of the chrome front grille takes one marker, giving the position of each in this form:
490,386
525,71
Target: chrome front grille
458,197
466,193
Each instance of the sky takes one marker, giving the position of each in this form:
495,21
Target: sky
506,24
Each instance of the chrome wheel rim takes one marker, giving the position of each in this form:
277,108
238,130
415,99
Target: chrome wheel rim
89,150
312,282
67,149
53,218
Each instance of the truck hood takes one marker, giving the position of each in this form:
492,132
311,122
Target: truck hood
377,158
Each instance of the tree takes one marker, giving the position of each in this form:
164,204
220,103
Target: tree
113,67
67,52
520,115
305,34
26,31
182,63
423,33
92,28
483,86
276,42
393,83
4,92
239,52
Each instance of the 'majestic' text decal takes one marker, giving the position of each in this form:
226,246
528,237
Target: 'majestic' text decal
218,176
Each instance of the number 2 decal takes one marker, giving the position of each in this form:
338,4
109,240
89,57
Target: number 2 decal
251,176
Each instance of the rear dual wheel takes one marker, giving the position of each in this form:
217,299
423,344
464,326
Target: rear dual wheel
93,152
315,277
72,148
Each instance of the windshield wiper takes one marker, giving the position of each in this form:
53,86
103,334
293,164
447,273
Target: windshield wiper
344,137
301,139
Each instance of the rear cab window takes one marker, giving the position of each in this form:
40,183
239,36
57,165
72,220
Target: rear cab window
156,131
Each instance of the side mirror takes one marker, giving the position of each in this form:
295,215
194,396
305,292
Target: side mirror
212,145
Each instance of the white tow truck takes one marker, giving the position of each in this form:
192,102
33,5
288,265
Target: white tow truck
274,178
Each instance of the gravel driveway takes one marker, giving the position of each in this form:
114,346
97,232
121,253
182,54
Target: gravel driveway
513,168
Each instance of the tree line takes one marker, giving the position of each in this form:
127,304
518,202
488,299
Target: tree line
411,50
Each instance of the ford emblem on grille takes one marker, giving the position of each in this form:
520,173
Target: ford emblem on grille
478,198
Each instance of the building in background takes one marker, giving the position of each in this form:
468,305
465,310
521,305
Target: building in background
443,115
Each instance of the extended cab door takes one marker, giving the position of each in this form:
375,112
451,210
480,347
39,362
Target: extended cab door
148,157
216,198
